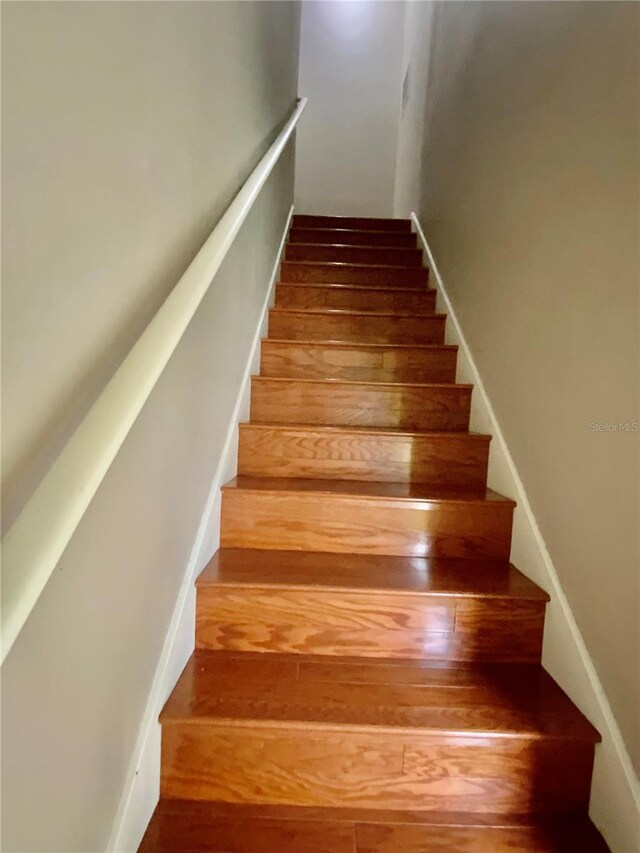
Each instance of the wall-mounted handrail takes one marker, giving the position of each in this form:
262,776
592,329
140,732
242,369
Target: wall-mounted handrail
35,542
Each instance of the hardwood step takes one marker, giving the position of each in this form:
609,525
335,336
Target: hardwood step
358,605
559,835
355,298
349,237
334,273
342,516
345,254
361,453
303,730
430,407
358,223
358,362
178,826
359,326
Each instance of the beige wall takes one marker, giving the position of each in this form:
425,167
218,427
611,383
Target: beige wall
350,69
127,129
527,182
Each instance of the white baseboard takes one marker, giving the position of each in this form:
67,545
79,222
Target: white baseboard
615,793
142,786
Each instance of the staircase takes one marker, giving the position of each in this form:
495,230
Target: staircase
367,674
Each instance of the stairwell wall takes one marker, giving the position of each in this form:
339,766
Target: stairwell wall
519,150
127,130
350,69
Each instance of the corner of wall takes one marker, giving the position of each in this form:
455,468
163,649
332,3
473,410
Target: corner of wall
142,786
615,791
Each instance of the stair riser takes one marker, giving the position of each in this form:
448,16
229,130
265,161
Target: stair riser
358,364
338,274
439,407
410,257
357,223
315,521
456,461
345,237
287,766
383,329
381,625
354,299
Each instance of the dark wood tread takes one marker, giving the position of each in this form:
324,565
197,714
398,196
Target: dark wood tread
410,256
251,601
366,430
364,694
340,324
307,220
338,245
400,268
189,826
421,576
412,492
352,237
349,312
358,288
361,382
372,274
363,345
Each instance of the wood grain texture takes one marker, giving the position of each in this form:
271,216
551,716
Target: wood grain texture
355,298
269,765
367,674
314,515
445,459
352,237
212,827
303,730
171,832
343,253
558,836
415,697
303,220
359,326
411,407
336,273
479,579
366,624
358,362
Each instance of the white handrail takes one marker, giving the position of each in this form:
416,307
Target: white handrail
35,542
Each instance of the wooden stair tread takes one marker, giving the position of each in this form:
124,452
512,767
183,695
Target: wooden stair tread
363,572
401,268
359,382
372,246
426,291
354,360
347,312
368,232
189,826
367,430
410,256
362,345
358,222
307,691
375,490
375,326
300,232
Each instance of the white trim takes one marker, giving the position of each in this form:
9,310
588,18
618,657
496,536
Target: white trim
141,789
40,534
626,782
